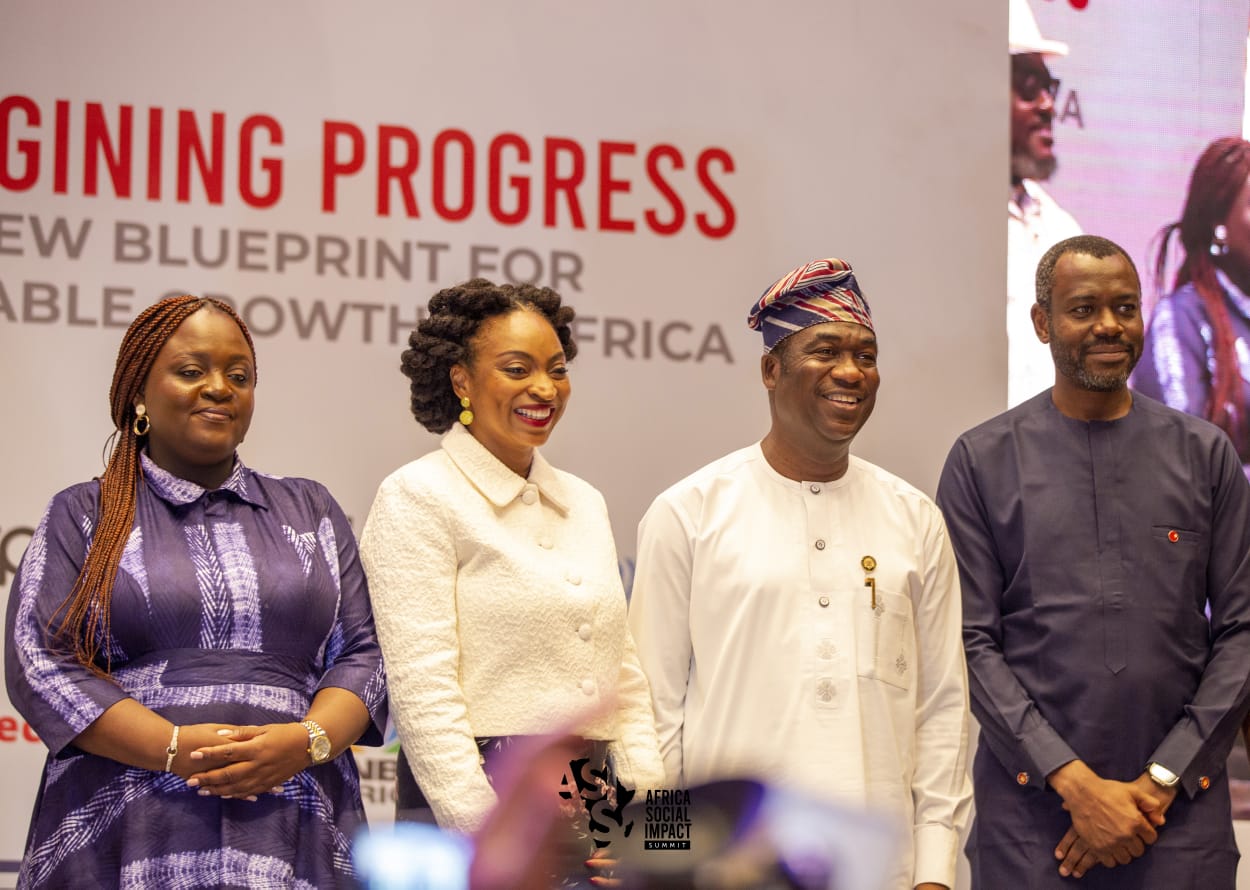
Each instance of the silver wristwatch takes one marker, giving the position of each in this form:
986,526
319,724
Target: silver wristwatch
318,742
1162,776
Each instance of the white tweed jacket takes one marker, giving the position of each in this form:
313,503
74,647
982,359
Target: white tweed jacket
500,611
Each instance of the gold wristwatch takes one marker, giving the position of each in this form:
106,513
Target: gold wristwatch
318,742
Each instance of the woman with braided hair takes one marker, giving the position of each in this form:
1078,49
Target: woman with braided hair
498,595
1197,352
193,641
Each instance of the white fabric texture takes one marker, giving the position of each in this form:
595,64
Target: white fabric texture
500,611
767,659
1035,223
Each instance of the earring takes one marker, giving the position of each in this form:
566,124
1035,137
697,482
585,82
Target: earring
466,416
141,423
1219,246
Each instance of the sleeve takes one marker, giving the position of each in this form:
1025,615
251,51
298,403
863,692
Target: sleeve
941,789
1173,366
1198,744
635,752
1019,736
408,548
659,619
353,658
55,694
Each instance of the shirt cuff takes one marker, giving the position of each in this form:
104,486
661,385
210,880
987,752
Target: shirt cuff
467,812
60,734
1046,751
1180,752
638,769
936,847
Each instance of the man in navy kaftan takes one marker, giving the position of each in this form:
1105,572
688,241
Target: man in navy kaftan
1094,530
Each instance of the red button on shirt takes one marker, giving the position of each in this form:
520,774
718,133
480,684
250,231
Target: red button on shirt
1173,536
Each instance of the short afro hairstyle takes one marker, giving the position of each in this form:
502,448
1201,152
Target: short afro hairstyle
443,339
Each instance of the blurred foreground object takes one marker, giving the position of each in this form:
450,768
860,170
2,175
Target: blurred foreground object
412,856
744,835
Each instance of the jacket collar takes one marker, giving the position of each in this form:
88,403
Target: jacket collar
496,482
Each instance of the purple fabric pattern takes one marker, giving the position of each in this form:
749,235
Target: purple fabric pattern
233,605
1177,366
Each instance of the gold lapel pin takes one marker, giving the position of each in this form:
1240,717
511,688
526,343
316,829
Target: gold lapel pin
868,564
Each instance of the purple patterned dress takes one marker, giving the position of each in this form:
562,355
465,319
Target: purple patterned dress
235,606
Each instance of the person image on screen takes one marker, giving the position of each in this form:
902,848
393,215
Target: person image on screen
498,594
1034,220
1197,351
193,641
796,608
1095,527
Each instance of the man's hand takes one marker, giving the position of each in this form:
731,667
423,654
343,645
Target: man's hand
1161,796
1112,822
1076,857
1075,854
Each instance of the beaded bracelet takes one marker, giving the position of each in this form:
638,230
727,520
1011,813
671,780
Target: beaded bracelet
172,751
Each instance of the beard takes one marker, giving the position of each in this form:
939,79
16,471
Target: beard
1071,363
1025,166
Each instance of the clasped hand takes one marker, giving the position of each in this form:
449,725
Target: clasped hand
243,761
1112,822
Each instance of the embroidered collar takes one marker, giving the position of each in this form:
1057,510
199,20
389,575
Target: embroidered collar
179,491
496,482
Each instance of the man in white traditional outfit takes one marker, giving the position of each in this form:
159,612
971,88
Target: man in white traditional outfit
1034,220
796,609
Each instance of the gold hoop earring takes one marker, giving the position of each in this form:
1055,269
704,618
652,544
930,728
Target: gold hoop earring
466,416
141,423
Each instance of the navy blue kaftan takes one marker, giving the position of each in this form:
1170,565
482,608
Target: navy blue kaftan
1088,555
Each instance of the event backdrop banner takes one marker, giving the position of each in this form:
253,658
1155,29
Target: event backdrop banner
1142,91
327,167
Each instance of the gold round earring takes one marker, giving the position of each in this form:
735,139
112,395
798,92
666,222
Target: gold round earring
141,423
466,416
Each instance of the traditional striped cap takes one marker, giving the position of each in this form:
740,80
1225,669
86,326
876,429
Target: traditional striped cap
814,293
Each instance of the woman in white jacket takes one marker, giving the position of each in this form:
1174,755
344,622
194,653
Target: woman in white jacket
494,576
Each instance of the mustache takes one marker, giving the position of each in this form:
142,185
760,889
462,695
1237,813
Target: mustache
1108,341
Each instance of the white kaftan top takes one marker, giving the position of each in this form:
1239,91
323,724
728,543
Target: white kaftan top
1035,223
767,659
